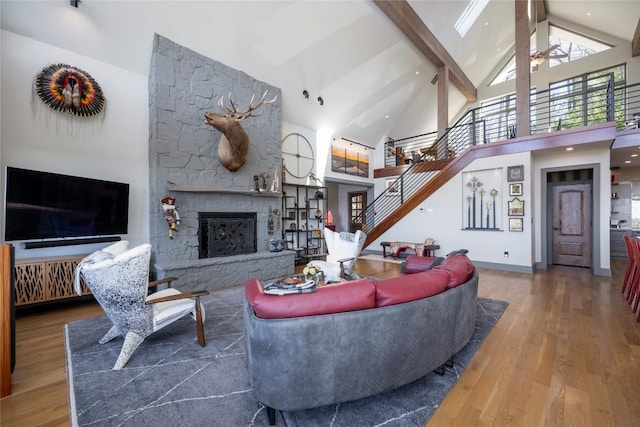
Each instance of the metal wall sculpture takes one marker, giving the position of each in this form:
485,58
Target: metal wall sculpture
482,207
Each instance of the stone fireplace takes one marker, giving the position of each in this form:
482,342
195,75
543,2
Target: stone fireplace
183,163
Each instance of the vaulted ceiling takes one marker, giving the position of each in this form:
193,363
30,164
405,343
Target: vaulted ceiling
369,74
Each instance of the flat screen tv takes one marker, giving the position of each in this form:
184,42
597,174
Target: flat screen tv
44,205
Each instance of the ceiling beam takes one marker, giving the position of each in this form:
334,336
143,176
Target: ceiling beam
540,10
635,41
408,21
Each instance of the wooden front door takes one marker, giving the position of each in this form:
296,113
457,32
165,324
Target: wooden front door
357,204
572,229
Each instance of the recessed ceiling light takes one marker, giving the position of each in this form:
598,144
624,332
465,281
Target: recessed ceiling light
386,117
588,13
569,148
417,72
627,161
486,24
634,155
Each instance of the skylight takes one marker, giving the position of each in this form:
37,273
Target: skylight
470,15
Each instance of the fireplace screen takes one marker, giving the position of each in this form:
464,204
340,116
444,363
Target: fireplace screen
226,233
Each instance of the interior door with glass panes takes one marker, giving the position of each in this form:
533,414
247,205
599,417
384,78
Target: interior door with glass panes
357,204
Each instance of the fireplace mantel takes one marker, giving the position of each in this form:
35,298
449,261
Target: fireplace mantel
171,186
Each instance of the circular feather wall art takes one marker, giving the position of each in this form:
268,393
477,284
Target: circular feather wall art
69,89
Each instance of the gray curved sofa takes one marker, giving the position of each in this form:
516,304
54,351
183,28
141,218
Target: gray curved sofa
302,355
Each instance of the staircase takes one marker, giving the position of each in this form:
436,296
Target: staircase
480,134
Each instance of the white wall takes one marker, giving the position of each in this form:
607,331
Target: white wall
441,217
339,184
112,146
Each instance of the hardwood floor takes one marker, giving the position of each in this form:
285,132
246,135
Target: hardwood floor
565,352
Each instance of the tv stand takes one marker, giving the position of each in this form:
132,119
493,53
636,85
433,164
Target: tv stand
46,279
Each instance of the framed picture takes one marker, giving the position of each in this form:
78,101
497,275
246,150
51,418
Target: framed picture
303,215
515,173
515,189
515,207
515,224
392,187
292,215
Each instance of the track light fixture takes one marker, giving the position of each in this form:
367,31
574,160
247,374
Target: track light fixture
74,3
351,142
434,80
305,93
320,100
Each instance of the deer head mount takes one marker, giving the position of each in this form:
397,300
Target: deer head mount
234,141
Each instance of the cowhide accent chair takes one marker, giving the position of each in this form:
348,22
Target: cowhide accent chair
118,277
344,249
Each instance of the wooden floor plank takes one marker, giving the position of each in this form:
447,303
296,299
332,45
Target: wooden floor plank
565,352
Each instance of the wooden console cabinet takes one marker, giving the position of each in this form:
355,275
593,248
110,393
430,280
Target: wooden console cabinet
47,279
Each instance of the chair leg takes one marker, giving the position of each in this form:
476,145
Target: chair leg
271,414
342,273
635,297
634,275
200,323
131,342
633,289
627,276
111,334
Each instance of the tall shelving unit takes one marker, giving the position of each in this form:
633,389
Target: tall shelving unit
304,209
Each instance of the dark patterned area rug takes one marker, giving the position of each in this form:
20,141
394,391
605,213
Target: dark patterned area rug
170,380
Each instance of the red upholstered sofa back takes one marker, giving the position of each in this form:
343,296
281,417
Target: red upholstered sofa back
411,287
351,296
360,294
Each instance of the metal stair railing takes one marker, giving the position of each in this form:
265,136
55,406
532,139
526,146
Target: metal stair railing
578,103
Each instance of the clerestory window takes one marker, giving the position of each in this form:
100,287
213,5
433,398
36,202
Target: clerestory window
567,46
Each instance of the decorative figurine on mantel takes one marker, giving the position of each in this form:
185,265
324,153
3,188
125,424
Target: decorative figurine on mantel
171,214
275,183
265,180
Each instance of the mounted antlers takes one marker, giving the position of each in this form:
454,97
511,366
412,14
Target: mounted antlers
234,141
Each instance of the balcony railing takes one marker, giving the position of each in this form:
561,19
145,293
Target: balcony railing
566,106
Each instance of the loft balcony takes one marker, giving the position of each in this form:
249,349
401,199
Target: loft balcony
593,112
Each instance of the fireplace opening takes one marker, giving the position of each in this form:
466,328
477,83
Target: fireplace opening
223,234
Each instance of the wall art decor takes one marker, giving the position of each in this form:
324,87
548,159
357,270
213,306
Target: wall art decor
515,189
515,173
392,186
233,145
516,224
350,162
515,207
482,201
69,90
